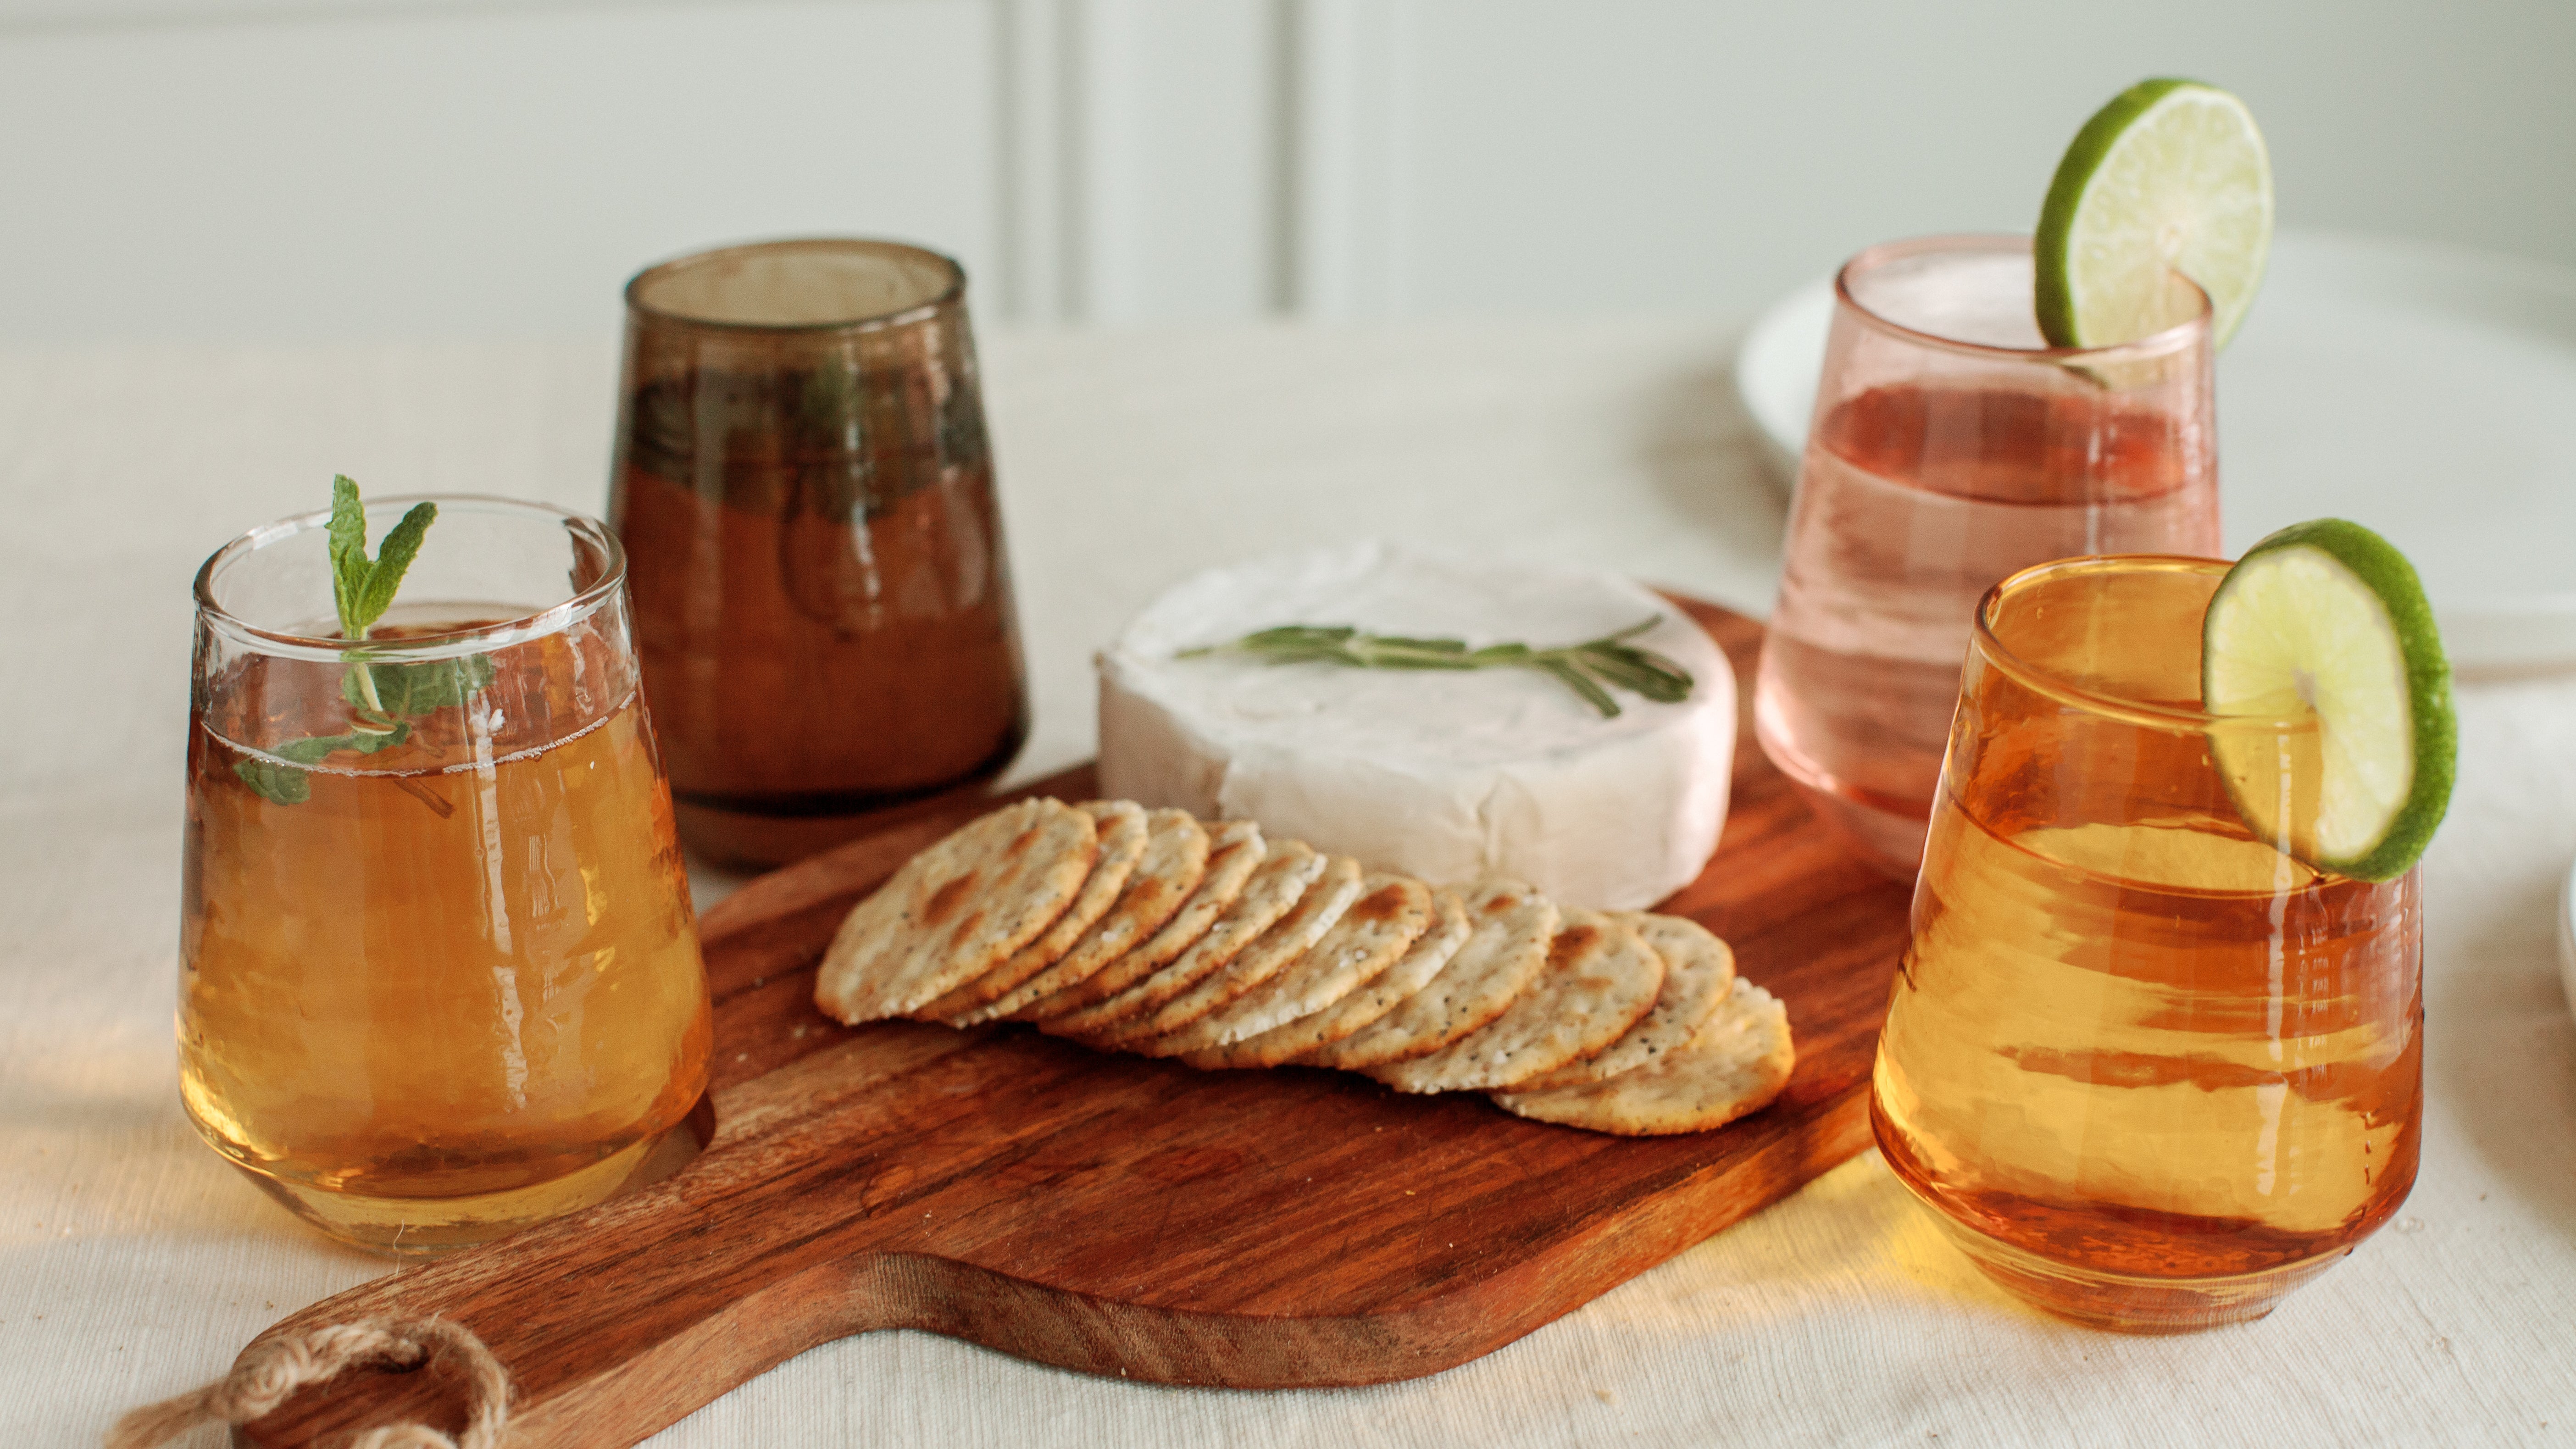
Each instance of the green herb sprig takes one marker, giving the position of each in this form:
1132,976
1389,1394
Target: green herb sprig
1591,669
385,698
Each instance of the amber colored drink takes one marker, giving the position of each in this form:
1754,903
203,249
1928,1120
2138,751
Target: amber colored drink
436,991
805,491
808,666
2151,1070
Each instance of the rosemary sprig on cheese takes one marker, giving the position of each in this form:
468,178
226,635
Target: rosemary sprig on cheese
1591,669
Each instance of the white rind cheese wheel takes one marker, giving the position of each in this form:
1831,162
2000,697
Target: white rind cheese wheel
1448,775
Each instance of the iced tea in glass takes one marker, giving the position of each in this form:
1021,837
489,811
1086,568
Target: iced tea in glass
2150,1070
440,976
1950,447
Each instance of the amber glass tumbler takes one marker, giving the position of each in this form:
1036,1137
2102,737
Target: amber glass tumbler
2150,1069
803,485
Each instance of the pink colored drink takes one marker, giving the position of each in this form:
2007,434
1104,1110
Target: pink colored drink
1935,468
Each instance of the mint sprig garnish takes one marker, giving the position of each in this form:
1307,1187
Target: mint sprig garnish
1590,668
408,691
364,589
286,785
386,698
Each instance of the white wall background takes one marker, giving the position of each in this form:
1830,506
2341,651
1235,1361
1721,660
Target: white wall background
363,169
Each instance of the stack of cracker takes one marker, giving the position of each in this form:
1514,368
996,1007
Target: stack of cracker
1153,933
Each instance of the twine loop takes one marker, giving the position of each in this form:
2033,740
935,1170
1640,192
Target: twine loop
269,1373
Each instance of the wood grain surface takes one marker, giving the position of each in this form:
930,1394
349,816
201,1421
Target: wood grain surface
1265,1229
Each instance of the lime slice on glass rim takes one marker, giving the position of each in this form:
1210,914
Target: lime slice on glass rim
2327,618
2171,175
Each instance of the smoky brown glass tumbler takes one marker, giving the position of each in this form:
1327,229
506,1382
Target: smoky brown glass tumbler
805,492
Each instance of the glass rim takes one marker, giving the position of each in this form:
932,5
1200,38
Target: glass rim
2049,682
2155,344
286,643
950,294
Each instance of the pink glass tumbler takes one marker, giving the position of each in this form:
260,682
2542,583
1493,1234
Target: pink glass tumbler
1950,447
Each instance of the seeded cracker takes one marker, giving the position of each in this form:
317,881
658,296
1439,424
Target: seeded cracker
1291,937
1699,969
1737,1064
1123,835
1235,851
1272,891
1373,1000
1599,978
1391,913
1513,927
954,911
1175,861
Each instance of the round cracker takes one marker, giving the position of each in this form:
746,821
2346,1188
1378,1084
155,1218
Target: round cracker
1123,834
1699,969
1273,889
1235,851
1411,972
1390,914
1326,900
1513,926
954,911
1599,978
1737,1064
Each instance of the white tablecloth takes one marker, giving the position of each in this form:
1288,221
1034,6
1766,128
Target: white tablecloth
133,1263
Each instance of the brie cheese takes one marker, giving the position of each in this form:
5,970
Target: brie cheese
1448,775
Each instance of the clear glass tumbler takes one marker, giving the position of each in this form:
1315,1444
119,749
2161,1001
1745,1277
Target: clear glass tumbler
822,598
1951,446
2150,1070
439,974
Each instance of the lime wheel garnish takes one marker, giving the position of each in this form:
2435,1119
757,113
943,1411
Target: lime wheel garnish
2170,176
2327,619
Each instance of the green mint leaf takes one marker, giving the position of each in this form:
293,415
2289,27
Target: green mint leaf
393,559
277,784
314,750
284,784
408,691
385,696
349,566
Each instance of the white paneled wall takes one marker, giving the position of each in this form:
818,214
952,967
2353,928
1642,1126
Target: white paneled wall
254,169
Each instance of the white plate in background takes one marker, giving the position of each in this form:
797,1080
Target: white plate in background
2426,391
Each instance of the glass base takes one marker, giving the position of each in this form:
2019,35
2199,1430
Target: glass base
752,840
2125,1304
740,841
425,1227
1890,841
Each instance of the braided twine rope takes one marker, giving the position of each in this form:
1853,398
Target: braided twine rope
269,1373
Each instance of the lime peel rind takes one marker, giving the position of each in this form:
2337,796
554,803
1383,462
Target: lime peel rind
2329,616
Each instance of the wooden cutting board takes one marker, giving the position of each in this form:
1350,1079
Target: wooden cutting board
1137,1219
